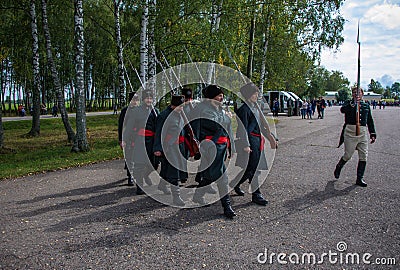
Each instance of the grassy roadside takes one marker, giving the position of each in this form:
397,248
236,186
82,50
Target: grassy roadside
51,151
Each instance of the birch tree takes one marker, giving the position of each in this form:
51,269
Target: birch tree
81,142
35,130
152,65
54,73
264,49
144,42
252,31
121,79
214,27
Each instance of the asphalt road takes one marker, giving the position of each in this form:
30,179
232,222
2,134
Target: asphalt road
87,218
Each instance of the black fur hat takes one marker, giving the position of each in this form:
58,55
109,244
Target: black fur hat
187,92
212,91
177,100
248,90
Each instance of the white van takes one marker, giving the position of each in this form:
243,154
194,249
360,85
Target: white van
282,97
296,97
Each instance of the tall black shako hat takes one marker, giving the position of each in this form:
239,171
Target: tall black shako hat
177,100
212,91
248,90
187,92
147,93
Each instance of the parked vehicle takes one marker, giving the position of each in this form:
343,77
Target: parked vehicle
282,97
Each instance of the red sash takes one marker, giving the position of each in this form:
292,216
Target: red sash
146,132
221,140
262,139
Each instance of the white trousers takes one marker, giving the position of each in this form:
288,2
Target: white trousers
353,142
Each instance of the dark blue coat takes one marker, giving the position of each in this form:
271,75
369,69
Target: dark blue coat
248,134
168,129
136,120
212,122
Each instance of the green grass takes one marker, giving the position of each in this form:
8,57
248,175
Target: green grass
51,151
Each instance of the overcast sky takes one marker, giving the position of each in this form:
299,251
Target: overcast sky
380,42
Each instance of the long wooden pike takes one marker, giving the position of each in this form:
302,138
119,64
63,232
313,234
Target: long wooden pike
358,84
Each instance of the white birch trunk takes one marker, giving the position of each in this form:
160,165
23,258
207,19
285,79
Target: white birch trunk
81,142
54,74
144,42
263,71
215,22
152,65
35,130
120,56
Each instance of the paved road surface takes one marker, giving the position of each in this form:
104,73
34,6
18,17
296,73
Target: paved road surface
87,218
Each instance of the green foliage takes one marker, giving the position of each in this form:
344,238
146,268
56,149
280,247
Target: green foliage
51,151
395,89
375,87
387,93
296,32
343,94
323,80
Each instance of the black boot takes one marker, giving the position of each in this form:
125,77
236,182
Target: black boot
237,188
139,190
258,198
176,198
339,167
226,204
130,180
360,173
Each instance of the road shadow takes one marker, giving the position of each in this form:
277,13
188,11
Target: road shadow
76,192
90,199
316,197
171,222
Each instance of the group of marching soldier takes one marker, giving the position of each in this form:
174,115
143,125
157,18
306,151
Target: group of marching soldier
151,139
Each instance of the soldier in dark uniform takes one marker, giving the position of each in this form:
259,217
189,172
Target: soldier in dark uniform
140,131
353,142
251,141
188,94
214,126
133,102
170,145
187,108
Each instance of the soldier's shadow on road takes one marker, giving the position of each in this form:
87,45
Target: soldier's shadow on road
96,208
171,223
313,198
316,196
76,192
88,204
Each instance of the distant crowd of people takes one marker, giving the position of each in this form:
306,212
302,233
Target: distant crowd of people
306,109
